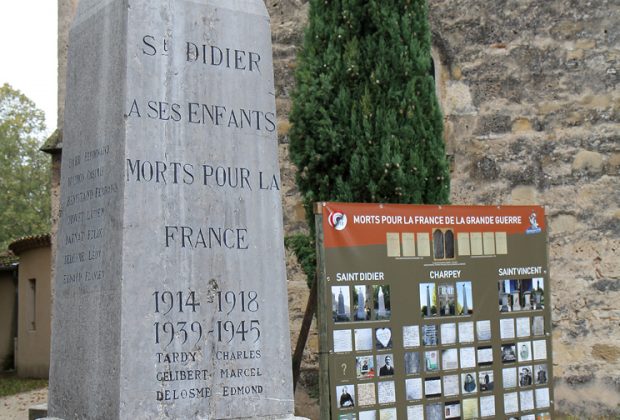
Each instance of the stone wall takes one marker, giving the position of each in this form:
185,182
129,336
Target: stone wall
531,107
530,95
288,19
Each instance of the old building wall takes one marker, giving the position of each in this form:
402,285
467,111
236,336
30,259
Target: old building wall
8,316
530,96
32,355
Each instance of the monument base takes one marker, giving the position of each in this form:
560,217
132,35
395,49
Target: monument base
254,418
38,411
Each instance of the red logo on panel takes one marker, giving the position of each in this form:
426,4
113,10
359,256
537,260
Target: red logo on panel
337,220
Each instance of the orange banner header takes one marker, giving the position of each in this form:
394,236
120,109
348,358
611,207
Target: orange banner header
354,224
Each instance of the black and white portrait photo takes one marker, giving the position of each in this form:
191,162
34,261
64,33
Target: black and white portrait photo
346,396
385,363
509,353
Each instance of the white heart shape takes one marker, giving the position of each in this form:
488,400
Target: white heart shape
383,335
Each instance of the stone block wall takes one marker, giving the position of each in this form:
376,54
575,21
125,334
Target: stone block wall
531,102
288,20
530,96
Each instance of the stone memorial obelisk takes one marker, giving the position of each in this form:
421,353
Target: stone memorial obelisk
170,299
381,298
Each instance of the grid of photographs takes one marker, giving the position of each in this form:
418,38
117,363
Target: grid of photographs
448,365
449,361
446,299
368,309
521,295
361,303
525,365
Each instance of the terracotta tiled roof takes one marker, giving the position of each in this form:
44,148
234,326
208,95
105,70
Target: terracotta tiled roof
29,242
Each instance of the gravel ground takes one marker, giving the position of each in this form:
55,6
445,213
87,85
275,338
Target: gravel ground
15,407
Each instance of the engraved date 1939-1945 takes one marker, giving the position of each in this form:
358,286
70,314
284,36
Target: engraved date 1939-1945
170,304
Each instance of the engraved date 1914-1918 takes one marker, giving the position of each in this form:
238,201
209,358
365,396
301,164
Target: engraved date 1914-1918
168,303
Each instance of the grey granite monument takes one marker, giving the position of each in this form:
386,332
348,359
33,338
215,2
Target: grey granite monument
516,306
170,299
428,301
527,298
381,298
361,309
341,311
465,304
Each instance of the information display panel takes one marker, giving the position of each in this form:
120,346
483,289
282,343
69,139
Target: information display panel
435,312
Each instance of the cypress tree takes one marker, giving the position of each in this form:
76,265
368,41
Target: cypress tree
366,123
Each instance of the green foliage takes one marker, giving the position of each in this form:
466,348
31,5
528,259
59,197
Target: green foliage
10,384
366,123
24,170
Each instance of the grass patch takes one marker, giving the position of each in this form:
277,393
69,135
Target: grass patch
10,384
